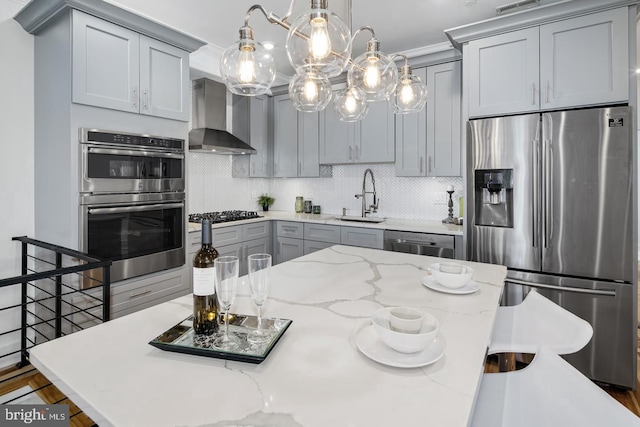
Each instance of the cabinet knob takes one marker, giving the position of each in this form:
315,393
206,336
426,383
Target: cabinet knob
135,98
145,97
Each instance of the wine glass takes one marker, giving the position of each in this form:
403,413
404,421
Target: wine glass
226,280
259,271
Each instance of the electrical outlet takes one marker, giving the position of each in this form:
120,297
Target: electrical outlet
255,194
442,198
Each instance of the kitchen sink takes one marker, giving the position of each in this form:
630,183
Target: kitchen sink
360,219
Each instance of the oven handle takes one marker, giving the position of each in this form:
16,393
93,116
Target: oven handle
117,152
606,292
134,208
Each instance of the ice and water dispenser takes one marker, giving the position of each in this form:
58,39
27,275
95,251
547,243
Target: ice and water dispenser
494,197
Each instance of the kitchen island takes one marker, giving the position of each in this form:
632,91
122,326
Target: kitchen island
315,375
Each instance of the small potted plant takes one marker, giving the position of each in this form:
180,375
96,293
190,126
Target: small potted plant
265,201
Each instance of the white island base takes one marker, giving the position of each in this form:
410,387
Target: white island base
315,375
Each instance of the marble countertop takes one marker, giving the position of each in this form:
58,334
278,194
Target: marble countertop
315,376
422,226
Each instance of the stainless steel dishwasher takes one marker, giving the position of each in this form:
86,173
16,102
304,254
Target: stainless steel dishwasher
437,245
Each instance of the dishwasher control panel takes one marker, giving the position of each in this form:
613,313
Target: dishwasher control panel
438,245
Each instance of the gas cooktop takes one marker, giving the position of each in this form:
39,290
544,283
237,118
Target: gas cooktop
224,216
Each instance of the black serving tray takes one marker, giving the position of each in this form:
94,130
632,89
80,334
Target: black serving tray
182,339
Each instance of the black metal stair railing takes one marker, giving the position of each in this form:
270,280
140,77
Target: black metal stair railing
52,277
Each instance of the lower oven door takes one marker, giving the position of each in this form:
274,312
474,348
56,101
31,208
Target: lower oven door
139,237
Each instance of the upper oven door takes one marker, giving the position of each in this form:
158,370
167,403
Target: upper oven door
113,169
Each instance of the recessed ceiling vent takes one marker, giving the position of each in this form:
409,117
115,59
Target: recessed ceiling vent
514,7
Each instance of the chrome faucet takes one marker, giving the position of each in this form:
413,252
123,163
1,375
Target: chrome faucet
373,207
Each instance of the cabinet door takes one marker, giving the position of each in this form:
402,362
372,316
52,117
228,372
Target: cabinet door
257,246
251,123
375,139
336,139
411,138
362,237
164,80
289,249
310,246
503,73
308,139
585,60
443,119
285,137
260,163
105,64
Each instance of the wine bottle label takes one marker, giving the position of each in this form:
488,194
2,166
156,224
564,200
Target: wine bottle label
204,281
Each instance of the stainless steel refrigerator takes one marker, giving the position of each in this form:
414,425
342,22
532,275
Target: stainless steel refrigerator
553,198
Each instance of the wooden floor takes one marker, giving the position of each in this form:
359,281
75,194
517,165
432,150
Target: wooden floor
12,379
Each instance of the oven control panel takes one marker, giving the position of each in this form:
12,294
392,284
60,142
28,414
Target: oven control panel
130,139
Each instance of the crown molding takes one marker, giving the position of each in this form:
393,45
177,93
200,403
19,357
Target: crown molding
529,18
37,14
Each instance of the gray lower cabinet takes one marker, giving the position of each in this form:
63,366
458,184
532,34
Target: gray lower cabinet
288,249
295,239
133,295
237,240
289,240
362,237
320,236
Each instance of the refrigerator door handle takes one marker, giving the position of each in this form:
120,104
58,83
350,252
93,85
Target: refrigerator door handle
605,292
548,192
535,214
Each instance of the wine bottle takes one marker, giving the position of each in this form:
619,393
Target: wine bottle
205,303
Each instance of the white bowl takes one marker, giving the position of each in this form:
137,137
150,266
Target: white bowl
405,342
451,280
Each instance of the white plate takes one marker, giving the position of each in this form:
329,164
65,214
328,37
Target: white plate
371,346
432,283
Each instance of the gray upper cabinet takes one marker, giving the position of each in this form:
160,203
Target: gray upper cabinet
295,140
164,80
444,119
370,140
251,123
375,139
428,143
336,139
567,63
116,68
593,72
503,73
106,61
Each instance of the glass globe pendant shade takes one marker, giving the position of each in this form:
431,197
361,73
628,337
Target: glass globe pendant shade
310,91
410,95
374,73
319,39
247,67
350,105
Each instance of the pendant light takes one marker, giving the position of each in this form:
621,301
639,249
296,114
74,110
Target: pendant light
310,91
410,95
319,46
319,39
350,104
373,72
247,67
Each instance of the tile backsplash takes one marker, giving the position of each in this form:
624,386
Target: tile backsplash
212,188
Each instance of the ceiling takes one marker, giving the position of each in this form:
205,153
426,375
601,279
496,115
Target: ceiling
400,25
413,27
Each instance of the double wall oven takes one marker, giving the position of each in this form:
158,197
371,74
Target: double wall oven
132,201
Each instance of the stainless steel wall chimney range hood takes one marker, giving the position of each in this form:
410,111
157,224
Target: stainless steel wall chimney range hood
210,132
